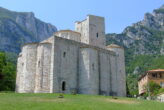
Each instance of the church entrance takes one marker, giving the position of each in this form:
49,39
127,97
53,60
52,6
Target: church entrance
63,86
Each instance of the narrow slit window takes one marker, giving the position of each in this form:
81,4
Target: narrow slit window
93,67
97,35
64,54
38,63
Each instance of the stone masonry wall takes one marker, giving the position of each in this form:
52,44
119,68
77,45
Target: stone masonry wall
105,73
27,68
83,28
42,79
66,66
96,31
19,74
121,75
88,71
92,30
85,59
114,82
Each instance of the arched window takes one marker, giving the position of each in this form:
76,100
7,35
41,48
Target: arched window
63,86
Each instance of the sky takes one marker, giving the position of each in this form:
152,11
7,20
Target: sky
118,14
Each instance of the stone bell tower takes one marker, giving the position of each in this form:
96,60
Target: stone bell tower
92,30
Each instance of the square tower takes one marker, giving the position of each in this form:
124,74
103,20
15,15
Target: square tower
92,30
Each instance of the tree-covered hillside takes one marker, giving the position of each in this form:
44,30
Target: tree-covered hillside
142,63
138,65
144,46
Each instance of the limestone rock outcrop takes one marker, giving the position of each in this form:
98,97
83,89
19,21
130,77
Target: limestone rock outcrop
18,28
143,37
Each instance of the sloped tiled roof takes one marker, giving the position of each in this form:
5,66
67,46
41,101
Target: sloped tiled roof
156,70
151,71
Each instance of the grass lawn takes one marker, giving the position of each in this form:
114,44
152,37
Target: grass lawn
13,101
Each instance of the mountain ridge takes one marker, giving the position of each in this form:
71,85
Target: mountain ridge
140,33
145,37
17,28
144,46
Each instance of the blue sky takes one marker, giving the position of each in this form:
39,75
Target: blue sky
63,13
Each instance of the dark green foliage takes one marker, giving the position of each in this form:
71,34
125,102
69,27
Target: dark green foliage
154,88
2,63
132,86
161,90
145,62
11,57
7,73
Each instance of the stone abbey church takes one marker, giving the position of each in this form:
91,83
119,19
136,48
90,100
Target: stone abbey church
73,61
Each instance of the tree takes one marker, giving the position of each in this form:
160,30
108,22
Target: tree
132,85
161,90
7,74
153,88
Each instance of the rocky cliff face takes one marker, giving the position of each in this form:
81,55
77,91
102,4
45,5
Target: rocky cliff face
144,46
143,43
144,37
17,28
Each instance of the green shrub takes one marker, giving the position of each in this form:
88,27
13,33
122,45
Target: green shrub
154,88
161,90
